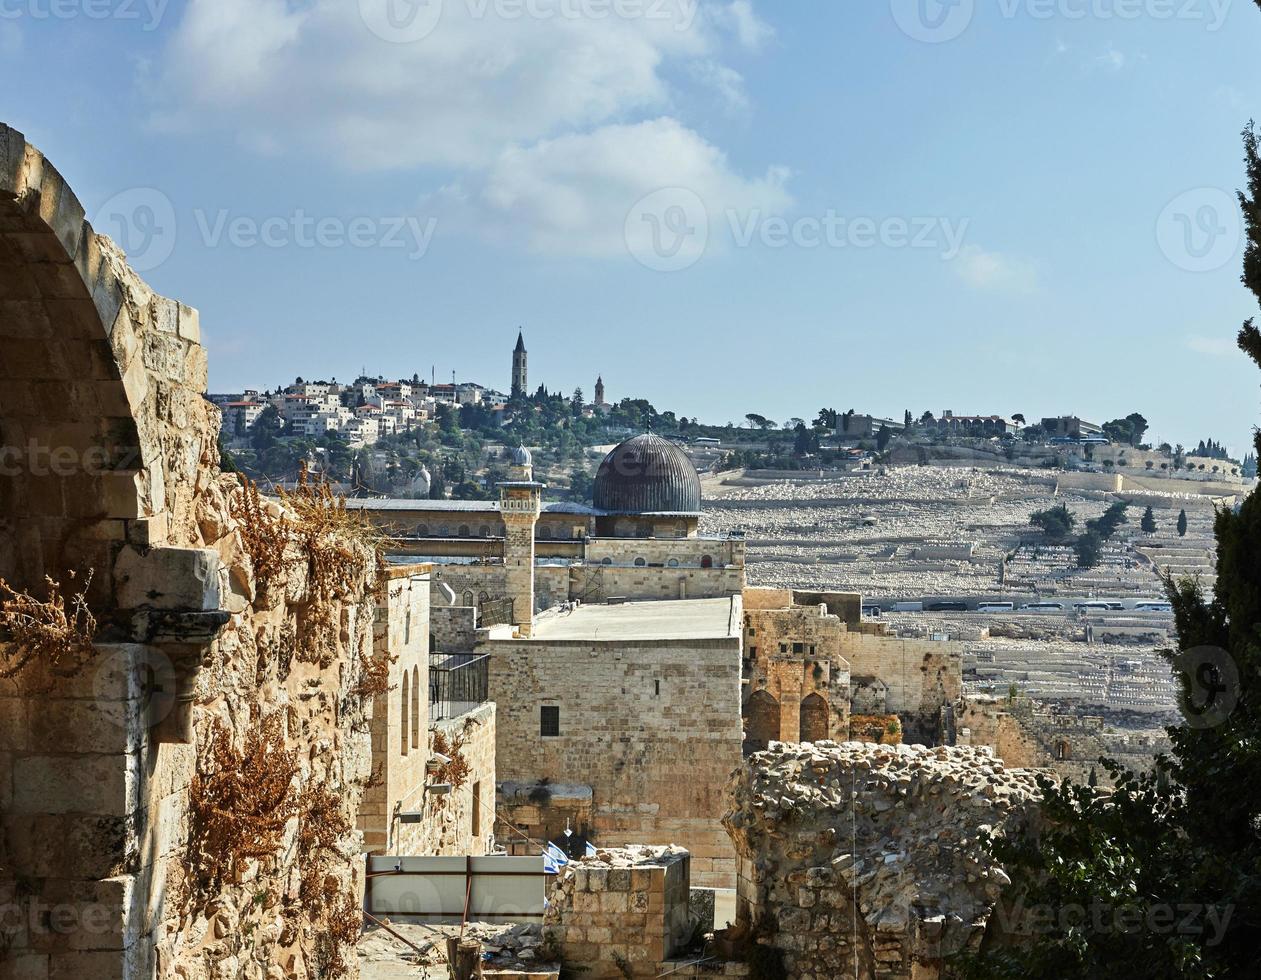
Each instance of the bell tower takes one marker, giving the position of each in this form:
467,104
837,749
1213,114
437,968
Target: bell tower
519,375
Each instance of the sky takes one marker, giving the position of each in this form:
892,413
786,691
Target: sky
723,206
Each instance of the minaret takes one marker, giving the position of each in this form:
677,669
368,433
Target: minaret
518,368
520,502
599,392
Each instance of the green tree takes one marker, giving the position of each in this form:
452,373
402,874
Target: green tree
1055,522
1148,523
1182,523
1089,548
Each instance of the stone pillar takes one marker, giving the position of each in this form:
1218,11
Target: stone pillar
520,504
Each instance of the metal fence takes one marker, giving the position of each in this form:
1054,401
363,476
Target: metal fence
457,684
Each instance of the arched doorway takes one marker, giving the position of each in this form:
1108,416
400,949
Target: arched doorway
761,721
814,718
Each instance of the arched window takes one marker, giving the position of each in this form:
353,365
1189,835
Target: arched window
707,561
415,707
464,531
483,597
673,563
761,720
545,532
422,530
607,561
468,597
814,719
641,562
445,531
405,714
484,531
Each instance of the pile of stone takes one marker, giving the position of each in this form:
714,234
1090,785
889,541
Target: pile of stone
508,949
872,852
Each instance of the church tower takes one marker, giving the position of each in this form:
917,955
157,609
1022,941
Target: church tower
599,392
518,368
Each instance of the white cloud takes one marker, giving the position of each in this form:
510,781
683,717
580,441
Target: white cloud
572,195
724,82
317,76
743,21
1213,346
994,271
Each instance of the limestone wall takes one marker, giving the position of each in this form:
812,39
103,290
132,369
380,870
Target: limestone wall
920,677
621,914
652,727
894,827
461,822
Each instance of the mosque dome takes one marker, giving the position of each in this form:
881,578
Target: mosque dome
521,457
647,475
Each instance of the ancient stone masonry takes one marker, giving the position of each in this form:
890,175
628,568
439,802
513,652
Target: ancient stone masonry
188,799
870,853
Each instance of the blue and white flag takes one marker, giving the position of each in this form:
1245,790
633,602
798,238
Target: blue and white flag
553,859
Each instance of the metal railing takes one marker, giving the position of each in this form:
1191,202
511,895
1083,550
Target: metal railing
458,684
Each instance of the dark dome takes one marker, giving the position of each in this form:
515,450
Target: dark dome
647,475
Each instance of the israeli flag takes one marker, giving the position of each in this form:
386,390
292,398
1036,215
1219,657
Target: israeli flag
591,852
554,859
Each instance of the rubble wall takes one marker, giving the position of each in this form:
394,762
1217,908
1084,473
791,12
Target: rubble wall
863,860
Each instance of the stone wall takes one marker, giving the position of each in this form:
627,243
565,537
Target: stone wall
400,716
863,860
461,822
621,914
652,726
920,677
452,629
214,652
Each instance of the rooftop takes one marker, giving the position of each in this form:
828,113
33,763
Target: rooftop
676,619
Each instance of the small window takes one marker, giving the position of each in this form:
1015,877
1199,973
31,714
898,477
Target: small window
549,721
422,530
783,648
707,561
477,810
641,562
673,563
799,648
607,561
464,531
752,631
657,688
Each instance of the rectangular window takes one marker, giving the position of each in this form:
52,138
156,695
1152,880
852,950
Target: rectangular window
549,721
657,686
477,810
799,648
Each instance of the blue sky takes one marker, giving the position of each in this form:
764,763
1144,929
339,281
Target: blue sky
724,207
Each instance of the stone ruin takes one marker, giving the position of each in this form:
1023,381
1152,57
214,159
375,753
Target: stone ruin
865,852
180,770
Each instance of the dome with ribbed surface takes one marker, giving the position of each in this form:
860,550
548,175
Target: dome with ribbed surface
647,475
522,457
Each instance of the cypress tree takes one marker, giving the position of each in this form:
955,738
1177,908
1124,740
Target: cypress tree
1182,524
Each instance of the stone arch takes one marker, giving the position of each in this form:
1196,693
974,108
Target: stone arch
761,720
814,718
707,561
100,383
641,562
464,531
422,530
